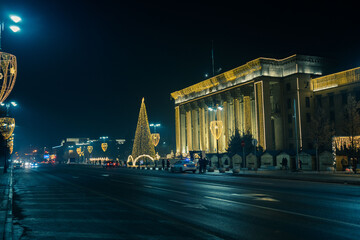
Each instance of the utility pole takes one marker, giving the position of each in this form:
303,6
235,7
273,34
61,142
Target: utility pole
296,137
212,57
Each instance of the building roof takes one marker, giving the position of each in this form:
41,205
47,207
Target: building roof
335,80
256,68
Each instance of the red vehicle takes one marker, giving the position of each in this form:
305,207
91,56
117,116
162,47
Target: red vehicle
110,164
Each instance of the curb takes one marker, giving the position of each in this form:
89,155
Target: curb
295,178
8,227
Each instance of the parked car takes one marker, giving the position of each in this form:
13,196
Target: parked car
183,166
110,164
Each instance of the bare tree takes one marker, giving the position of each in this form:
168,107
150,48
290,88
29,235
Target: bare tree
322,131
352,126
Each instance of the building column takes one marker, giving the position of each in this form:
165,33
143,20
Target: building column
188,131
247,114
237,113
226,126
177,130
202,126
263,112
183,129
195,127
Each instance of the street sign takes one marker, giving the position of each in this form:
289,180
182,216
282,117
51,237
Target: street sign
254,142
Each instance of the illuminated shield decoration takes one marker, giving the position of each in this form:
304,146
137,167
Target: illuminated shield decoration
90,149
78,150
104,146
10,144
155,138
216,128
7,126
8,71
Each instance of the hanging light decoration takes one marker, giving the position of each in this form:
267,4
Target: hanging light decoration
10,144
7,126
90,149
8,72
104,146
216,128
155,138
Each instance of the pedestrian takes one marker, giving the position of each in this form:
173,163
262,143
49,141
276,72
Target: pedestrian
285,163
168,164
205,164
300,163
200,162
163,163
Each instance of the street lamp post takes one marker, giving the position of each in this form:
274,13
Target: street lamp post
216,128
7,128
13,28
155,138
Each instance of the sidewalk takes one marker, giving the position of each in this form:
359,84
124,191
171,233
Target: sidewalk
328,177
6,205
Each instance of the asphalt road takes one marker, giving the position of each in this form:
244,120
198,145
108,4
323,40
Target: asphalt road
79,202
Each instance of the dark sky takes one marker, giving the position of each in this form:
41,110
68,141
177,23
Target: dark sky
83,66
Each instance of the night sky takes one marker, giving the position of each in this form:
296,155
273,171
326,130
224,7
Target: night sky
84,66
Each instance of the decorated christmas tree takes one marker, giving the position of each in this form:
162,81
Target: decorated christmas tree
143,143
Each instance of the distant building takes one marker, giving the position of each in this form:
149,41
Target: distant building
89,151
259,97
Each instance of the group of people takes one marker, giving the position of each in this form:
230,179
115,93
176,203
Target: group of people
167,164
203,162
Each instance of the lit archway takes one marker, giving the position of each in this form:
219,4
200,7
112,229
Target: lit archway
144,155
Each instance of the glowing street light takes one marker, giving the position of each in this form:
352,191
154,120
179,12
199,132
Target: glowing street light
15,19
8,105
13,28
155,125
216,128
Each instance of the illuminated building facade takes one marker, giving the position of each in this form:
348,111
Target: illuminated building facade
259,97
85,150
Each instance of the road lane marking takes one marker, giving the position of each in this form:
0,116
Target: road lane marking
256,196
105,175
175,201
190,205
118,181
164,189
285,211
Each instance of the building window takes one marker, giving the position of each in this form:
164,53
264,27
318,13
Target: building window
331,100
290,132
332,116
308,117
307,102
288,87
289,103
318,101
289,118
344,98
357,95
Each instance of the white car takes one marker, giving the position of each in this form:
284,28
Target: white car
183,166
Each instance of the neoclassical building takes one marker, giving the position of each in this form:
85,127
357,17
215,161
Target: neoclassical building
262,96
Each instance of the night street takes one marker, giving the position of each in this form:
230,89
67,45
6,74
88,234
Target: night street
84,202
